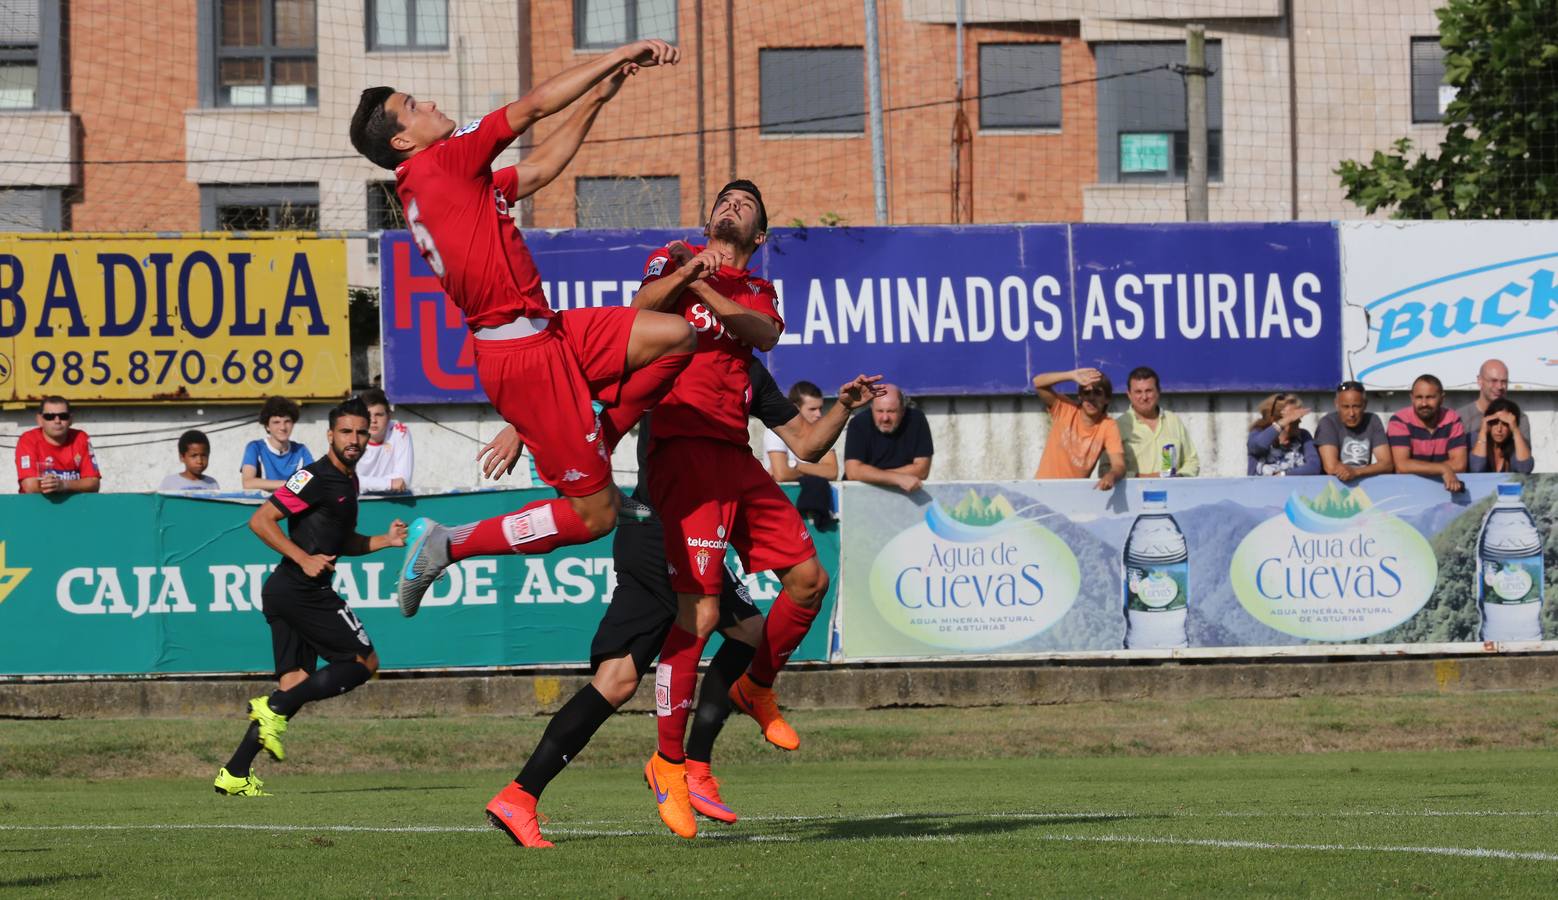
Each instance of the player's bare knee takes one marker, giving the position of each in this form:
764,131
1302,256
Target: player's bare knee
687,340
598,512
292,679
370,662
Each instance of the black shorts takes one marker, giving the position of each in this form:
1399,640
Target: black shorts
643,607
309,622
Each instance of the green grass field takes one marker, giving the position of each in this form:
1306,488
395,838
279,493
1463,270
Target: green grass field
1264,798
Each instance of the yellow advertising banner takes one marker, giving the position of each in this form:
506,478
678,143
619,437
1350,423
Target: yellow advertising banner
188,318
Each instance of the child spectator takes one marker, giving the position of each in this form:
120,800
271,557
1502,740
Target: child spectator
195,454
269,461
1277,445
385,467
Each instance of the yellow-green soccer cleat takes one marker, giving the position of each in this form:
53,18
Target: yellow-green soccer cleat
272,725
233,786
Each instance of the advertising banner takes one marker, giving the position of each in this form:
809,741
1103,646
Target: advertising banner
137,583
198,318
953,310
1442,297
1057,568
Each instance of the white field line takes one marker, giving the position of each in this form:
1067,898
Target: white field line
1149,840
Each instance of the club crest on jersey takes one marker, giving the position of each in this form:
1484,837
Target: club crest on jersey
299,479
702,559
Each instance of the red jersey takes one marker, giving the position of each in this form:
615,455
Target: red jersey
36,457
710,399
460,214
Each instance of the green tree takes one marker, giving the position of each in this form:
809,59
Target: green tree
1499,159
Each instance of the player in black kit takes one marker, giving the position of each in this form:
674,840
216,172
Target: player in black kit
307,618
640,614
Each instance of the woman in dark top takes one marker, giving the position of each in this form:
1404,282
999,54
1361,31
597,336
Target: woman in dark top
1277,444
1499,445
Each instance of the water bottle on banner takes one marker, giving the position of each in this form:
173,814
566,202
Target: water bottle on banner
1157,578
1509,571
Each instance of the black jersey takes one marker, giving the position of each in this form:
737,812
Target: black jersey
320,503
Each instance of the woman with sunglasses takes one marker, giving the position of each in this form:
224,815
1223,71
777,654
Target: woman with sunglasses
1500,447
1277,445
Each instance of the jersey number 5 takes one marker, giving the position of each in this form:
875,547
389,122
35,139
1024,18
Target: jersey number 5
424,239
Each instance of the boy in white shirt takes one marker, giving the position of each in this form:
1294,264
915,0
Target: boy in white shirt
385,467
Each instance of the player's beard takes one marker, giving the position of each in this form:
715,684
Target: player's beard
729,232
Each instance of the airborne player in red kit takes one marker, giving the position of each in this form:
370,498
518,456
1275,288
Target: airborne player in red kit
712,492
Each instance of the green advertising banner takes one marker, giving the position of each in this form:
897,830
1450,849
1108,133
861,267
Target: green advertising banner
161,584
1199,567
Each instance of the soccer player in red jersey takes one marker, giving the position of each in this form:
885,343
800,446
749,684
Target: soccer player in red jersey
541,369
55,458
712,492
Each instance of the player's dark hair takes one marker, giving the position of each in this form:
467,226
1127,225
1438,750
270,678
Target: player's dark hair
279,406
1142,373
373,126
191,438
802,389
374,397
53,400
351,407
1429,379
741,184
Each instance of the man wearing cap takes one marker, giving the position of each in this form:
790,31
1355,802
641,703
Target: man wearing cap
711,492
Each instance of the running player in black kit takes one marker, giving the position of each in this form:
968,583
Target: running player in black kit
642,609
307,618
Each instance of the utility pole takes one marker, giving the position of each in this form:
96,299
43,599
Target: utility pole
1195,122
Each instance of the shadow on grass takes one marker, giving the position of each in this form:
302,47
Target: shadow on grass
25,850
387,789
46,880
936,826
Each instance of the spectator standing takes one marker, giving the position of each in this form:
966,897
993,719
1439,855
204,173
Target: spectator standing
1427,439
1499,446
195,454
55,458
1351,440
1492,384
891,446
1154,438
269,461
385,467
1080,430
1277,444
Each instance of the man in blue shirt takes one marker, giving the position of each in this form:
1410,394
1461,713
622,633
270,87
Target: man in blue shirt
269,461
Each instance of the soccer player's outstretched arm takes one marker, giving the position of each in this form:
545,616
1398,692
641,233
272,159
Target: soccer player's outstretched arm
811,440
557,92
362,545
552,155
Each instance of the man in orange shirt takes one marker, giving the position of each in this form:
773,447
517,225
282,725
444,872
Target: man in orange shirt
1080,430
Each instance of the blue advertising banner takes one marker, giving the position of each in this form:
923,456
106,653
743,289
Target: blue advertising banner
954,310
1224,566
1211,307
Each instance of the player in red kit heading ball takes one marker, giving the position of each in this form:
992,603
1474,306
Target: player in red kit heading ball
711,492
541,369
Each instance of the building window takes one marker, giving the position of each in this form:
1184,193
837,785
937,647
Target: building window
31,209
1430,95
812,90
259,207
30,54
265,53
653,202
384,214
1141,117
600,24
1019,86
408,24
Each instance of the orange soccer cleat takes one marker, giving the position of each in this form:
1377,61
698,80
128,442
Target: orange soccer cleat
703,792
759,703
513,812
668,782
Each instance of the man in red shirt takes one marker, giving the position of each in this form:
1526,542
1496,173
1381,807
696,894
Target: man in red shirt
55,458
541,369
712,492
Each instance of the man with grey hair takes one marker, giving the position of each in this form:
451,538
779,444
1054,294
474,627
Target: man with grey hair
1492,384
891,446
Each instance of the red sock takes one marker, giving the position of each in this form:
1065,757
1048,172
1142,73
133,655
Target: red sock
639,392
785,629
675,678
541,527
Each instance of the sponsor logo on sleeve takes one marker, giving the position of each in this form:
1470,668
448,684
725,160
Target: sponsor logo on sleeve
656,265
467,128
299,479
26,462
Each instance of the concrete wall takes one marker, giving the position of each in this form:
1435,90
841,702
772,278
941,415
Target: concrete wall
977,438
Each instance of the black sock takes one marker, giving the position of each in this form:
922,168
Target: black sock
248,748
565,736
332,680
714,697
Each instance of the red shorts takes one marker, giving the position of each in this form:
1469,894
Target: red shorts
543,385
709,492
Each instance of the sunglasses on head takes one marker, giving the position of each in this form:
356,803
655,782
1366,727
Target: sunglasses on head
1350,386
51,417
